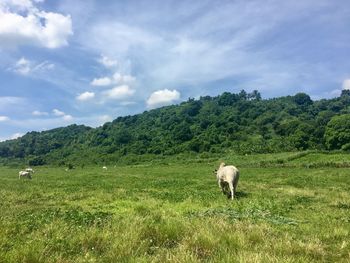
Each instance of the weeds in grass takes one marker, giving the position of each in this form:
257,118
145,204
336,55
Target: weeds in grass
255,215
32,219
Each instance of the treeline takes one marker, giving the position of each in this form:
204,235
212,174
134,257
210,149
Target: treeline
242,123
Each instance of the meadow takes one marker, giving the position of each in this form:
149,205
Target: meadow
286,210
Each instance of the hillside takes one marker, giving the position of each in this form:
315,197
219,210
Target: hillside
242,123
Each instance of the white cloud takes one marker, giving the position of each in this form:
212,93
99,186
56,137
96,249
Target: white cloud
17,4
117,78
67,117
198,55
25,67
105,118
12,137
21,23
86,96
127,103
4,118
11,100
346,84
16,135
119,92
57,112
162,98
43,66
123,79
22,66
107,62
40,113
101,82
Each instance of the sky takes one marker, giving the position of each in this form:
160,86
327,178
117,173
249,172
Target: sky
90,61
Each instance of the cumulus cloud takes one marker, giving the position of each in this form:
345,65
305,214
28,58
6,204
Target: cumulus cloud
101,82
123,79
346,84
67,117
162,98
119,92
4,118
57,112
107,62
21,23
86,96
40,113
117,78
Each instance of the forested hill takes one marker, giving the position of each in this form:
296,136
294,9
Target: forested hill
243,123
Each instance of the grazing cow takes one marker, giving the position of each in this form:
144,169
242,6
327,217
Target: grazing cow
30,170
24,174
227,175
104,167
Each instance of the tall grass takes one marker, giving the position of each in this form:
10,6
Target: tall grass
175,212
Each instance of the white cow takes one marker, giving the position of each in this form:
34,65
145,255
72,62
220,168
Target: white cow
227,175
30,170
24,174
104,167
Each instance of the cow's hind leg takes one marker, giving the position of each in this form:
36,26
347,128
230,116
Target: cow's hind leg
231,190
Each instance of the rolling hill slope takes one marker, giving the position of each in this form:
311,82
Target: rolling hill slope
243,123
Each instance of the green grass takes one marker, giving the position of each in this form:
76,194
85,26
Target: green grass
175,212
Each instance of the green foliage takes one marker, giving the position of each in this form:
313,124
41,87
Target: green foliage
302,99
35,161
338,132
242,123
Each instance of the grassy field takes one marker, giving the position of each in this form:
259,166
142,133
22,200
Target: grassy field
175,212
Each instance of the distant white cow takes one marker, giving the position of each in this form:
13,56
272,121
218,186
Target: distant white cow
227,175
24,174
104,167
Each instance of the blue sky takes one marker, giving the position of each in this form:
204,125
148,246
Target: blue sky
88,62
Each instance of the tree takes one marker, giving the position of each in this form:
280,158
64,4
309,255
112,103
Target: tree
182,132
241,122
337,132
227,99
243,95
254,95
302,99
35,161
192,107
345,92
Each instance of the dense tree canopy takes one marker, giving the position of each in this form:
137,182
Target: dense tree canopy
338,132
243,123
